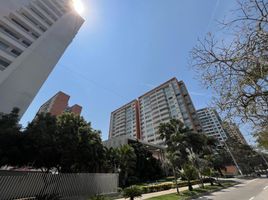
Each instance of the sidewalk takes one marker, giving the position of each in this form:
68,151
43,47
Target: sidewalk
156,194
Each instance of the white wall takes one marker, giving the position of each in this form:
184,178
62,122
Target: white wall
7,6
21,81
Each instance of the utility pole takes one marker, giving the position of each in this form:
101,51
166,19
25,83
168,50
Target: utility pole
233,158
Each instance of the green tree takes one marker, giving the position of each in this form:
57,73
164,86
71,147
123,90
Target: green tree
127,163
172,132
112,160
199,148
189,172
43,138
185,146
247,158
67,143
147,167
10,122
220,159
132,192
80,146
11,140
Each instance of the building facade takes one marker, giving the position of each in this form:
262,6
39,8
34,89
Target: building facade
212,124
170,100
234,132
58,104
33,36
125,121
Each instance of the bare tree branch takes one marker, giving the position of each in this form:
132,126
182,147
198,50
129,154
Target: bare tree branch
237,69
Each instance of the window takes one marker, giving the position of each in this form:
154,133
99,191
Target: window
21,25
26,43
47,11
6,47
3,63
3,46
152,140
35,35
30,19
34,22
16,52
41,16
54,9
9,32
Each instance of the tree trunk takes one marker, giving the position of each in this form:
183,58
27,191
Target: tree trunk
125,179
211,181
220,172
218,182
190,187
131,198
176,180
200,179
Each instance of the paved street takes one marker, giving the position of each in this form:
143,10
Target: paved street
256,189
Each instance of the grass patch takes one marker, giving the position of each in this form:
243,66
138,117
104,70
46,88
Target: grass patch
188,194
166,197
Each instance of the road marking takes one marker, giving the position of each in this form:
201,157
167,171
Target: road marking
251,198
265,187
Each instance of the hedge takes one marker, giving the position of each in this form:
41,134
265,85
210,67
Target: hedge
165,186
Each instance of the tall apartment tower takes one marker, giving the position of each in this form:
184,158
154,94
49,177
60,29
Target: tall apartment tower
33,36
170,100
234,132
212,124
125,121
58,104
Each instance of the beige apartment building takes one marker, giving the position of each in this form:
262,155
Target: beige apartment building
125,121
212,124
234,132
170,100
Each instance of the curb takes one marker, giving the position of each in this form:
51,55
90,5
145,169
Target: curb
207,193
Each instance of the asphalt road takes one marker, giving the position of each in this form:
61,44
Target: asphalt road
256,189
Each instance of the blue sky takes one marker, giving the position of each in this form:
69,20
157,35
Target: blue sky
127,47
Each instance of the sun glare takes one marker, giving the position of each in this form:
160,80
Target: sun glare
78,6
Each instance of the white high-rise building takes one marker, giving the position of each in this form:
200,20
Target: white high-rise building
33,36
125,121
212,124
170,100
141,118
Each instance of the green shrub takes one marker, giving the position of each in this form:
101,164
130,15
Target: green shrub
157,188
99,197
165,186
132,192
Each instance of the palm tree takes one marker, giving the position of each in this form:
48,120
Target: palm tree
172,132
127,162
184,146
189,172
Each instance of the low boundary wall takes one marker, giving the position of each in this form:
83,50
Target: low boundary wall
16,185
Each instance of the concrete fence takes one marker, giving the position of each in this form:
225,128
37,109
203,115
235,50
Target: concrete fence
20,185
